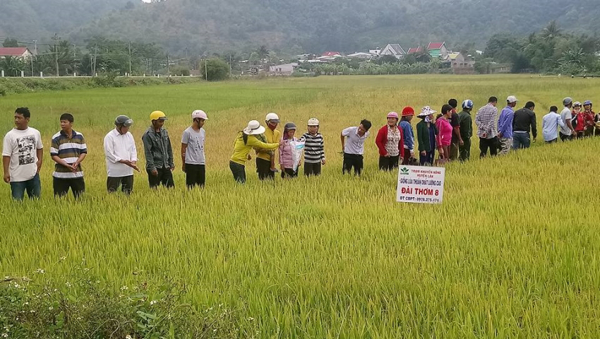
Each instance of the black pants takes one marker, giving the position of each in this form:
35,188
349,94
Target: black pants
312,169
352,160
61,186
239,172
263,168
564,137
289,173
388,163
126,183
164,177
195,175
465,150
552,141
492,144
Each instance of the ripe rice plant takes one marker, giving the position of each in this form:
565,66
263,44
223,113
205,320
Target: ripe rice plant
512,251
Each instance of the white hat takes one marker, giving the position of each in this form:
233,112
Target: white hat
426,111
199,114
272,117
313,122
576,103
254,128
511,99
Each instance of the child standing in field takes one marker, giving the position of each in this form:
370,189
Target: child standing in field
286,152
314,149
578,120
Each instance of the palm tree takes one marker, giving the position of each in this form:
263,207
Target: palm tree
12,65
551,31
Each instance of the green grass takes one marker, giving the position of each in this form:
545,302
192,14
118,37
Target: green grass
512,252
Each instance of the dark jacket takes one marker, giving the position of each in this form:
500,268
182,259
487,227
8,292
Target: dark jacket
158,150
423,136
524,120
466,125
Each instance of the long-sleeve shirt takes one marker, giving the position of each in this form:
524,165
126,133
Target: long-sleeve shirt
505,122
286,156
486,121
466,125
550,124
444,137
241,149
270,136
314,148
524,120
407,133
158,150
119,147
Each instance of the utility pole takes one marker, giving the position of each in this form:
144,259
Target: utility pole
206,68
95,59
230,65
129,58
56,38
168,66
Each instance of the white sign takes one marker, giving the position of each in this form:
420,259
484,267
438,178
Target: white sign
421,185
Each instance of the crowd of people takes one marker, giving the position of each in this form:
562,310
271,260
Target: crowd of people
449,133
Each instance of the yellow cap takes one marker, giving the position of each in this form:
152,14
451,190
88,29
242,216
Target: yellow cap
157,115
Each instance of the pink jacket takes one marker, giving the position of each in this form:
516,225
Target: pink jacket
285,153
444,137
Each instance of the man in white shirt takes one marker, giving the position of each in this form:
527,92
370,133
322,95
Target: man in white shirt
121,156
353,146
567,131
22,154
550,124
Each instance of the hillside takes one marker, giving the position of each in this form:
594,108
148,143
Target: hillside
309,25
39,19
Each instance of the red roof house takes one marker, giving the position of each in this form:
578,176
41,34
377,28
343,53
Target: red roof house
15,52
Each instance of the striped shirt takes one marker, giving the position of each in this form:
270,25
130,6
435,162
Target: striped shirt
68,150
314,150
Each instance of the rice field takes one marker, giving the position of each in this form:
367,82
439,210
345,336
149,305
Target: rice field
512,252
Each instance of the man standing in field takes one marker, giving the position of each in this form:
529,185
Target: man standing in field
456,135
121,156
567,131
192,151
505,125
265,159
159,152
68,151
466,130
523,121
354,147
550,124
486,127
22,155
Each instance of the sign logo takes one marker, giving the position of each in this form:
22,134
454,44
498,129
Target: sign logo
404,171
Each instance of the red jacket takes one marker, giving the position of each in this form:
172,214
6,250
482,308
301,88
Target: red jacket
381,140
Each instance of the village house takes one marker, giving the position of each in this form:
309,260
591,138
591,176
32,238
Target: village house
414,50
22,53
394,50
461,64
438,50
283,70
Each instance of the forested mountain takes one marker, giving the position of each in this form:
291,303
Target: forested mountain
199,26
39,19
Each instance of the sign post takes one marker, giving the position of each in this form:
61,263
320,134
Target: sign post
421,185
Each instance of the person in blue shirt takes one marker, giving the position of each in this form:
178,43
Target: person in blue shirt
505,125
408,135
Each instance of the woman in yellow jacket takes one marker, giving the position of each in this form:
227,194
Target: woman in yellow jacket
244,143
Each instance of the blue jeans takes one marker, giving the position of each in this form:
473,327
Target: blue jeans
32,186
521,140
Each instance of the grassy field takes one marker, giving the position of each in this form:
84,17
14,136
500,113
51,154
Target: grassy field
512,252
